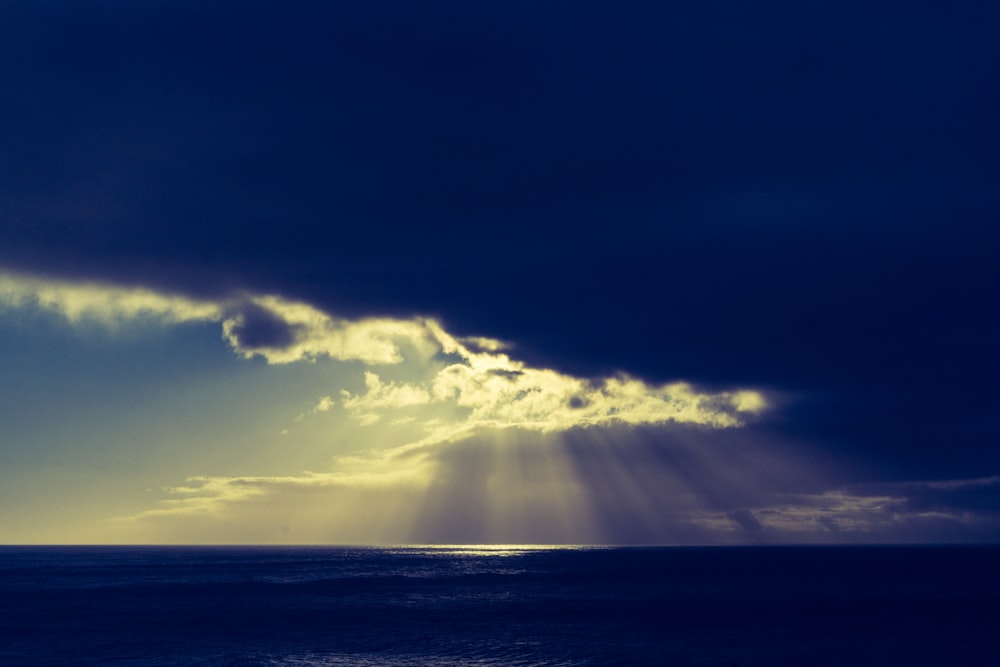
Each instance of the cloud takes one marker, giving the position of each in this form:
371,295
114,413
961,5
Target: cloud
489,390
351,506
324,404
106,305
467,384
207,494
253,327
746,520
283,331
277,329
381,396
608,484
913,511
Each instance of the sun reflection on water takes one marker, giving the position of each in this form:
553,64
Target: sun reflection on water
487,549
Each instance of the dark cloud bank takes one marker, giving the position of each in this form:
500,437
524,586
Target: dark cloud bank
800,196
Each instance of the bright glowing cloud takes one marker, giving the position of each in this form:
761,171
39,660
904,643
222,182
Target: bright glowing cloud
506,394
381,396
283,331
322,405
106,305
472,384
276,329
486,389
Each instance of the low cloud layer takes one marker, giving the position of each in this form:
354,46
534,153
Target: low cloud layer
604,485
956,510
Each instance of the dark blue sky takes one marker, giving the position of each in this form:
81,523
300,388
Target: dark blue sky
796,196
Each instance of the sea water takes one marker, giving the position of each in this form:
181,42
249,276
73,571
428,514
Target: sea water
436,606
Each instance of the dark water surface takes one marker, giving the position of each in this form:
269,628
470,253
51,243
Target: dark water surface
464,606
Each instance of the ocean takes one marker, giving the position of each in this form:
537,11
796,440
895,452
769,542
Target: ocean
560,606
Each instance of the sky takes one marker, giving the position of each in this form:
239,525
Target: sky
373,272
